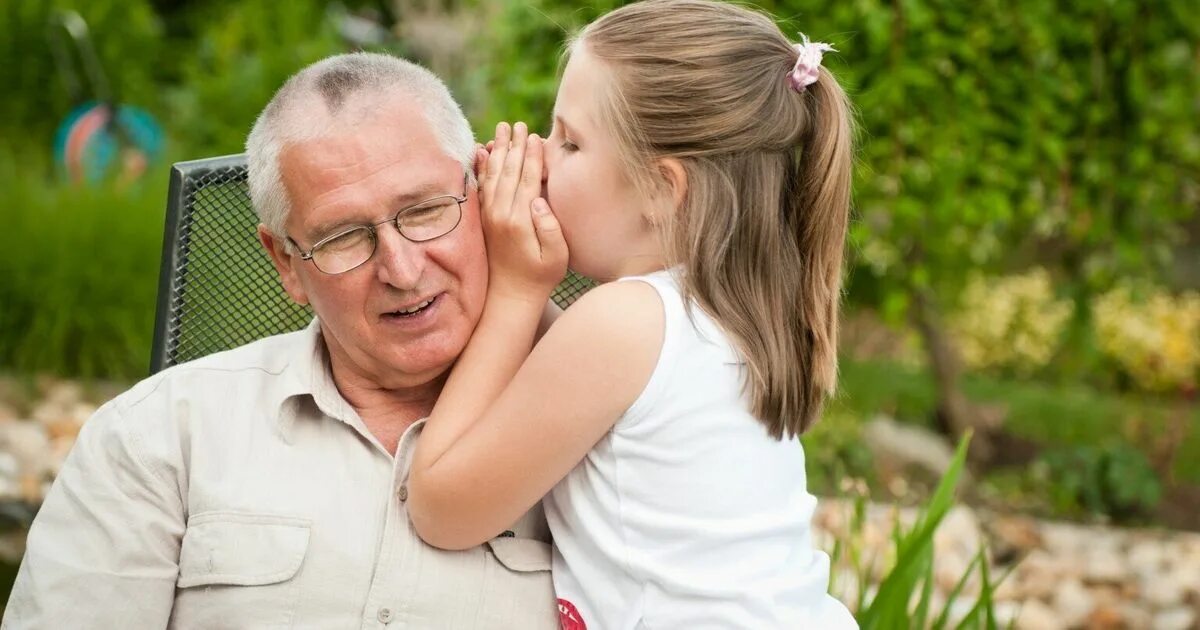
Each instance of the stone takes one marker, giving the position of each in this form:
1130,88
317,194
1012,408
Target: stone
29,488
1006,613
948,569
64,427
81,411
27,443
1009,590
958,610
898,445
1013,535
1136,616
46,411
1035,615
1039,574
10,471
61,447
1146,557
1105,617
1105,566
62,393
1073,602
1164,590
1176,618
956,542
959,533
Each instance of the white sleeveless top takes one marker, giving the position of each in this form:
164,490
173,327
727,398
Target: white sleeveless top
687,514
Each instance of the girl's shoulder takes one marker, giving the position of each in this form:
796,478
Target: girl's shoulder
620,305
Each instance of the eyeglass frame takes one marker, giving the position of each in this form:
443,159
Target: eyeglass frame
394,220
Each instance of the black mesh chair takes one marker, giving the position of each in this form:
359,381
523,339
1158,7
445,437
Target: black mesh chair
217,288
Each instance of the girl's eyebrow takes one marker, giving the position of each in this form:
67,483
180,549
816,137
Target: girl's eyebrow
558,120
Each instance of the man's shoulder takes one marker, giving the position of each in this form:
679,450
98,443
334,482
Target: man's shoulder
257,363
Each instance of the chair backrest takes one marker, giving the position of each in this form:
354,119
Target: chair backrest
217,288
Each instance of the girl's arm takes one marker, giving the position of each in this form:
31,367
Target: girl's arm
550,314
586,371
495,444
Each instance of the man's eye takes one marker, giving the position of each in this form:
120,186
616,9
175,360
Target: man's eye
423,214
349,240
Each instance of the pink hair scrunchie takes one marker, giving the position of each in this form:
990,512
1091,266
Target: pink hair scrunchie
808,63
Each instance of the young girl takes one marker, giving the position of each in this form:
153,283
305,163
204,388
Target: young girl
699,168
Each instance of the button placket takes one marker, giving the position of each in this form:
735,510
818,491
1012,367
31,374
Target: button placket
388,578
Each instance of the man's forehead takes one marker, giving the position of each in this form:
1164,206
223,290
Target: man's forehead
357,148
362,174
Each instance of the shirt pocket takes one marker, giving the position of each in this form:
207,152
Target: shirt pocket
238,570
518,591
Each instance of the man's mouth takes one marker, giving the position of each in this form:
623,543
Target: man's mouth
412,311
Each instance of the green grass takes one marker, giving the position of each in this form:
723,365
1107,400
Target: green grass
893,605
1052,415
80,269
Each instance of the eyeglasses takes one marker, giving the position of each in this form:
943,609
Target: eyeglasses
350,248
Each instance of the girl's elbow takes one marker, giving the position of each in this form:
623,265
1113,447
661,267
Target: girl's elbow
440,537
433,522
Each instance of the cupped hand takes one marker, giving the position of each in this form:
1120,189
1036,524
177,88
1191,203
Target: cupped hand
527,256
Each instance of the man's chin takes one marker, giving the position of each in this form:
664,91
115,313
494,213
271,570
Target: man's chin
415,368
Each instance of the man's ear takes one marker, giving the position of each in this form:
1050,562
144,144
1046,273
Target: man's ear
284,264
675,181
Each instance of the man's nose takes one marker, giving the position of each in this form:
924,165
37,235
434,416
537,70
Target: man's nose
400,261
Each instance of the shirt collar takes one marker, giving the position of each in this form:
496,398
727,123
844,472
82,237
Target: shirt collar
308,375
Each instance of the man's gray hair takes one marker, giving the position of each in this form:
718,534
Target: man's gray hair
312,100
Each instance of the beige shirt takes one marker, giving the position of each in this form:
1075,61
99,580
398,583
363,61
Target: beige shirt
242,491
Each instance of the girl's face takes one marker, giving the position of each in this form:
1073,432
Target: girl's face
604,218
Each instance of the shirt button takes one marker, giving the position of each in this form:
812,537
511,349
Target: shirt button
385,615
402,493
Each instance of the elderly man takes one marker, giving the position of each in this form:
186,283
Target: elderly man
264,487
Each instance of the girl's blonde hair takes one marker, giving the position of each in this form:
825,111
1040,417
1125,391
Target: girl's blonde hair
761,231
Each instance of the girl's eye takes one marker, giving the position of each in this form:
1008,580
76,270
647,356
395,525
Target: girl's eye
569,147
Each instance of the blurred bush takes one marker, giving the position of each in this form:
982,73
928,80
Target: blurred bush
1116,481
1013,323
80,269
996,137
126,34
1151,336
242,54
836,454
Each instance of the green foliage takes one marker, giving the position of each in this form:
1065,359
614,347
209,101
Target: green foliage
520,48
1116,481
893,604
835,452
124,33
984,123
242,56
80,269
997,134
1064,414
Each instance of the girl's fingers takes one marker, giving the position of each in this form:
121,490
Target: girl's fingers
529,186
550,239
510,173
497,152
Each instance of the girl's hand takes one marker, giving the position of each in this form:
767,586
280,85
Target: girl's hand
527,256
